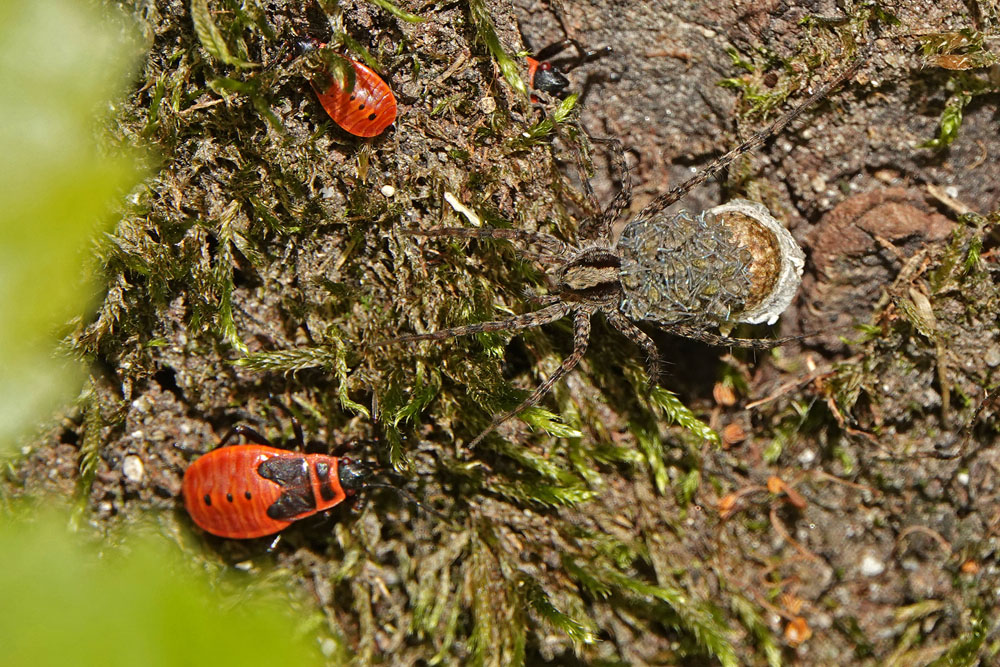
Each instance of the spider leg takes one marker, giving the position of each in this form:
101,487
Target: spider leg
553,246
624,196
539,299
588,189
755,141
640,338
581,337
588,55
583,55
537,257
726,341
967,430
552,50
990,397
535,318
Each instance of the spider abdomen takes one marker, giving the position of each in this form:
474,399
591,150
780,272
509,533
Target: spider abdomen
732,263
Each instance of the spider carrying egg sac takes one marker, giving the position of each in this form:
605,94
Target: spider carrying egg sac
730,264
685,274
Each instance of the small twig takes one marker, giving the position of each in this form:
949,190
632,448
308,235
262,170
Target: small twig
933,534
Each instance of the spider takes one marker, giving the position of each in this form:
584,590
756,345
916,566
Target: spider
681,273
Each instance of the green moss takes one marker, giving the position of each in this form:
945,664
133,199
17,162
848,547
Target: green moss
264,260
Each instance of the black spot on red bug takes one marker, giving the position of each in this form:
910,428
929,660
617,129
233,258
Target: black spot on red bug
229,497
208,499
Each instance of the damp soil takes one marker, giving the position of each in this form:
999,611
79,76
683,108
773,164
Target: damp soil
848,513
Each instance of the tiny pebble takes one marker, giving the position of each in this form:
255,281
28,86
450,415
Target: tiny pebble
328,647
388,190
733,433
132,468
871,566
487,105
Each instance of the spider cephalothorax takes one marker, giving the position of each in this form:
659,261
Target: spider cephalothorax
683,273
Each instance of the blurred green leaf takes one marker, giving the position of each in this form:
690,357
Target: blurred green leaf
87,604
61,62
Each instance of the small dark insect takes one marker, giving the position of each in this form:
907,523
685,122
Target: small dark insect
365,110
248,491
548,77
682,273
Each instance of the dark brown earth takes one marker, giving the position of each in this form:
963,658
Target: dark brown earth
849,515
